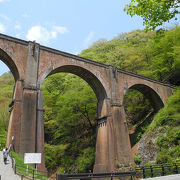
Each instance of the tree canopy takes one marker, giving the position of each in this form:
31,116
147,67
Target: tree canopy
153,12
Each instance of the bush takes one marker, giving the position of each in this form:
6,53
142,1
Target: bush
53,155
86,160
137,159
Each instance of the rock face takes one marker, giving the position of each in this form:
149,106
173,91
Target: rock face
146,147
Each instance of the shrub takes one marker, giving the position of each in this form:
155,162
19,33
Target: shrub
137,159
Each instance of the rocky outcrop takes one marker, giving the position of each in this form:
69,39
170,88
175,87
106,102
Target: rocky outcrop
146,147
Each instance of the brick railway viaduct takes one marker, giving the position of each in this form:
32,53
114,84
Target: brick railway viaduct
30,63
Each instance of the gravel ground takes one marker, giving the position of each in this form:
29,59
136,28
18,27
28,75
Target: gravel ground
6,171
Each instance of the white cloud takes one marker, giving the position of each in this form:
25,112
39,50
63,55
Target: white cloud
88,38
2,28
43,35
25,15
60,29
4,17
17,26
4,0
38,33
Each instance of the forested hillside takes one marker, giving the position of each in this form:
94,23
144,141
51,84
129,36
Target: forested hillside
70,103
6,91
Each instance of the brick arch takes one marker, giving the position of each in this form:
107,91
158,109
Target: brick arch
85,74
31,63
150,94
10,63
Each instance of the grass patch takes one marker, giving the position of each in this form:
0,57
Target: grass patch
2,139
24,169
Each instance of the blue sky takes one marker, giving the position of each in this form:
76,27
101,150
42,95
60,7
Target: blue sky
66,25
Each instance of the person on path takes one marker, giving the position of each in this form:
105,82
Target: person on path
5,154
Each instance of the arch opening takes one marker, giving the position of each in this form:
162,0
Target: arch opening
6,94
150,94
5,58
140,103
89,77
70,123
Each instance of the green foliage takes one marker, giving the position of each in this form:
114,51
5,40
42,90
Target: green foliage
6,91
53,154
168,145
169,116
168,141
156,169
136,111
151,54
3,134
137,159
139,114
70,104
165,61
153,12
86,160
24,169
70,112
19,160
125,51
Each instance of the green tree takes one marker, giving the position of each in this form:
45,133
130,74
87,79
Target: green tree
70,113
153,12
167,122
164,54
6,91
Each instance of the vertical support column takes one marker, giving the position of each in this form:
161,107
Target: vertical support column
28,125
122,149
40,131
102,151
119,130
101,159
14,127
113,144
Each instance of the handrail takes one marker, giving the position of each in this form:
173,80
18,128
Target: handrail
95,175
24,172
157,170
13,163
142,171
